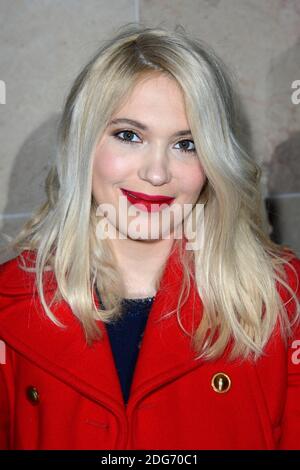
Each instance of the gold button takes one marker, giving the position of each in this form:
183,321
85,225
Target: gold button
221,383
33,395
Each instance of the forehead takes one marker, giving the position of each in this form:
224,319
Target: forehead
155,94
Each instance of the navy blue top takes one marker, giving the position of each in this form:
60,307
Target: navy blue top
125,337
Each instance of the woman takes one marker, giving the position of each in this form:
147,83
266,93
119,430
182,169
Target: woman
121,330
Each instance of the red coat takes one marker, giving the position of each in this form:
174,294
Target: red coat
58,393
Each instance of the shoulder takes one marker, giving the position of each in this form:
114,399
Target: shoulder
21,308
18,288
16,280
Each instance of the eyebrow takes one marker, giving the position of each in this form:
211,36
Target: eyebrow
143,127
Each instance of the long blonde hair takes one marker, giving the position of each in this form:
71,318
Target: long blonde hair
236,270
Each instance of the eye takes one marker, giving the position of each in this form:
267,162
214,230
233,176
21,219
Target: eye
186,144
127,136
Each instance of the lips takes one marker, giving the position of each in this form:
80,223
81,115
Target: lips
145,202
147,197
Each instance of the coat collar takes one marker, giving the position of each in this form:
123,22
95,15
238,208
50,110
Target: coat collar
165,353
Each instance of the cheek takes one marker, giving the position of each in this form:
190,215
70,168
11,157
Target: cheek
193,181
108,166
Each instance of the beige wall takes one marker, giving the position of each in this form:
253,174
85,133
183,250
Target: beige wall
43,44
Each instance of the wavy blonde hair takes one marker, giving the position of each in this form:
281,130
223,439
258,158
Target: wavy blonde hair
236,270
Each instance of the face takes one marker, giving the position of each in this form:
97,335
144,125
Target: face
148,148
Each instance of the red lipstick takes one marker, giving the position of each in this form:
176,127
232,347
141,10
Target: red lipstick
146,201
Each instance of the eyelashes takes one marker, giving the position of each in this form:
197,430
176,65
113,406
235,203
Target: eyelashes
127,131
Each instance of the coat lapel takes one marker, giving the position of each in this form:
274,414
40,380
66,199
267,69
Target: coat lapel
165,351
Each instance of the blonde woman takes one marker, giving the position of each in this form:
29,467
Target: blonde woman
129,319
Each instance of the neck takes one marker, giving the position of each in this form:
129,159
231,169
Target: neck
140,263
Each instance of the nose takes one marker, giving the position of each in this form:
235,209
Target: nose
155,167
